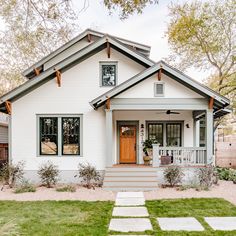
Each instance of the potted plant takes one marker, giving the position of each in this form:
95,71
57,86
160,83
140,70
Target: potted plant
147,150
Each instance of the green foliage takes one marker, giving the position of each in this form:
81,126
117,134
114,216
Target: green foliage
48,173
9,228
173,175
147,144
90,176
128,7
67,188
224,173
25,187
11,173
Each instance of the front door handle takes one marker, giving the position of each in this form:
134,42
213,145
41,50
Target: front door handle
135,147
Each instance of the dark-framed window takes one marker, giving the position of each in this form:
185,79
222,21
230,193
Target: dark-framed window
108,73
166,133
173,134
155,132
48,135
70,135
60,135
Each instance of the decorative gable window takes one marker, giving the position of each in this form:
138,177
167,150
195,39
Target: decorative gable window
159,89
60,135
108,73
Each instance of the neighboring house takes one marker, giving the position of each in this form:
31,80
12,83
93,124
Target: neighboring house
96,99
3,138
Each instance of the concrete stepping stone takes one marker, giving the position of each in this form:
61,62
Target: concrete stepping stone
130,225
130,211
221,223
180,223
130,201
130,195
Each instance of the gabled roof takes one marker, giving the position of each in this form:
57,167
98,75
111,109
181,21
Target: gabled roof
219,101
141,48
72,60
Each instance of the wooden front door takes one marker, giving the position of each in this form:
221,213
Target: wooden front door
127,144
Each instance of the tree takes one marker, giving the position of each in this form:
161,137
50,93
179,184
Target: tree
203,35
34,28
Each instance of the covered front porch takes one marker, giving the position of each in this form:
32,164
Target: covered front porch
174,125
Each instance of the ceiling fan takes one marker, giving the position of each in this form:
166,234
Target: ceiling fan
168,112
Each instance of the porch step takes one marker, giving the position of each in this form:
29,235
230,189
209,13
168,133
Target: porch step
130,179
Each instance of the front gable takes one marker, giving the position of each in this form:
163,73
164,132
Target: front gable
172,89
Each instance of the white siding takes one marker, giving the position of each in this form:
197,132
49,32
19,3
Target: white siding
3,134
80,85
172,89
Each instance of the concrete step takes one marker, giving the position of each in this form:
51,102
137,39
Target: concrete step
130,178
130,188
130,183
132,169
133,173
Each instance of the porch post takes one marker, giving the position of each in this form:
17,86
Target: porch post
109,138
155,155
209,135
196,132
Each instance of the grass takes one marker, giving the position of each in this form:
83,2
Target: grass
46,218
197,208
67,218
67,188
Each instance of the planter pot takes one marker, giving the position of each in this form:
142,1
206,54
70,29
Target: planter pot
147,160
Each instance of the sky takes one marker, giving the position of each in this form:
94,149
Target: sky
147,28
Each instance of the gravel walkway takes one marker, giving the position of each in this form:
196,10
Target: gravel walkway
225,189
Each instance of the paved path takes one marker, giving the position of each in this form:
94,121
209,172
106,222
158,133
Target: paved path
131,215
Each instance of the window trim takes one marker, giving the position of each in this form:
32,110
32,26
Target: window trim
101,63
155,92
59,149
164,122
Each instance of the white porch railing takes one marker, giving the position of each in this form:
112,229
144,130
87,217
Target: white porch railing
179,155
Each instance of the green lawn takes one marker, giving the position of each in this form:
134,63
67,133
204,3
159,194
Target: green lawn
67,218
55,218
197,208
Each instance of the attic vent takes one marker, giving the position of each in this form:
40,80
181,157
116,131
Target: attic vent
158,89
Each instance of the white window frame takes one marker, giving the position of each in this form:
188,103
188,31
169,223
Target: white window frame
109,63
155,91
59,142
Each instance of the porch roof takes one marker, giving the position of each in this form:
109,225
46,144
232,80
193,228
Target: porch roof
219,100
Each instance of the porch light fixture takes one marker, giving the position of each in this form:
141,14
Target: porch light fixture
187,126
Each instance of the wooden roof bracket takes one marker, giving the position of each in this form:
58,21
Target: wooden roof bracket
108,103
36,71
211,103
159,73
108,49
89,38
8,107
58,78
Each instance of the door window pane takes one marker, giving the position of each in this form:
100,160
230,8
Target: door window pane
173,135
70,136
155,132
48,136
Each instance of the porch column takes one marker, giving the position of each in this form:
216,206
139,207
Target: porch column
209,135
196,132
109,138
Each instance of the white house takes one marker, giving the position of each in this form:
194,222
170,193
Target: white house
96,99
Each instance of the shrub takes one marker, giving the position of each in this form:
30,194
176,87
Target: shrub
48,173
173,175
25,187
11,173
90,176
233,176
224,173
67,188
207,177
